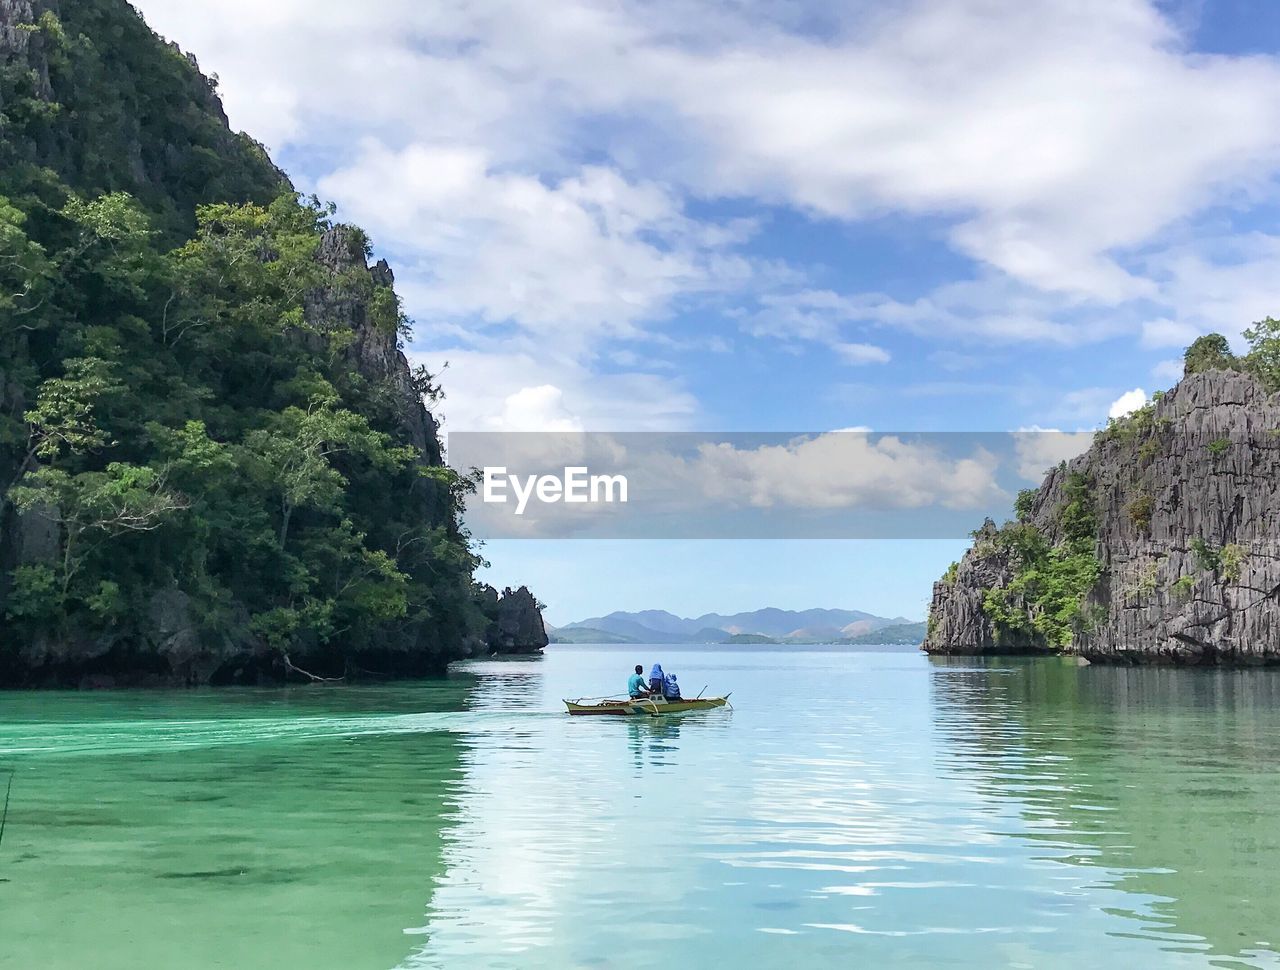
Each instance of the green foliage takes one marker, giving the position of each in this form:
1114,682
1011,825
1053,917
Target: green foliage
1181,589
191,429
1024,503
1078,518
1139,510
122,112
1210,352
1009,616
1022,540
63,418
426,385
1219,445
1232,557
1149,579
949,577
1263,359
108,602
1228,561
34,596
1207,557
1046,598
1139,424
178,389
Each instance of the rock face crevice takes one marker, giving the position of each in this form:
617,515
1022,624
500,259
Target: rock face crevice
1187,502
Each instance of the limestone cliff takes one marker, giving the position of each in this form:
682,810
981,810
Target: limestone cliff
216,464
1181,561
515,621
91,95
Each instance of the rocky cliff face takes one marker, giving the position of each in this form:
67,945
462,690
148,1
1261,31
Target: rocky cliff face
133,114
1184,503
346,303
515,622
94,105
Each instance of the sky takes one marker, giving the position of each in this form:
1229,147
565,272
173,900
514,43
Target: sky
777,215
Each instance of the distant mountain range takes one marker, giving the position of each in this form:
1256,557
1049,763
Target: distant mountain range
770,624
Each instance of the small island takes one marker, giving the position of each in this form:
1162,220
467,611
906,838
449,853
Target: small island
1157,545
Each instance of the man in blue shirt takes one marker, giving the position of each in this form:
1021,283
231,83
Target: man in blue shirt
635,684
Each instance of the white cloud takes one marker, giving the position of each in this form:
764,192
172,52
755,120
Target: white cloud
1039,449
1127,403
1219,284
991,308
591,255
1053,134
841,470
542,167
538,408
1006,115
1168,370
1168,333
861,353
492,389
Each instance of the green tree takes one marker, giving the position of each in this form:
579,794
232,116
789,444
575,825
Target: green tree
1263,358
297,455
95,507
1210,352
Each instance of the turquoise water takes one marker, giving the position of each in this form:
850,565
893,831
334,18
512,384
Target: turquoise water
855,808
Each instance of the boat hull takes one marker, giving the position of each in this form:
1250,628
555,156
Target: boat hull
655,707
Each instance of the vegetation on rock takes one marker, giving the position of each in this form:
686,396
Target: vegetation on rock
189,399
1156,545
1212,352
1044,600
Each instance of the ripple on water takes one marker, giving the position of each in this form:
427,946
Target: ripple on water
859,808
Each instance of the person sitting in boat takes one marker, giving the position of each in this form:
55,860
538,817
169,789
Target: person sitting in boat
656,679
670,689
635,684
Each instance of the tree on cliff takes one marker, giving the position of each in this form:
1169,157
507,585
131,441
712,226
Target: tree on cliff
1212,352
201,391
1264,352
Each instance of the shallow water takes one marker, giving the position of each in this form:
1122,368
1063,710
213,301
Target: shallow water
855,807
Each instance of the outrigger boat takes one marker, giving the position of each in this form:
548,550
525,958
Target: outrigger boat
652,706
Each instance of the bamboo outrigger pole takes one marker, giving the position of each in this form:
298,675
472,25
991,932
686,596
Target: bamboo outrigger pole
4,819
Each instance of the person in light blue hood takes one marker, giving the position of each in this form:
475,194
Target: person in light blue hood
670,689
656,679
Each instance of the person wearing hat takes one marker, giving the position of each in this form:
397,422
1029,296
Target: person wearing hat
670,689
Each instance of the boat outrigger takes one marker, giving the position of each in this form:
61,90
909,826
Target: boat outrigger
652,706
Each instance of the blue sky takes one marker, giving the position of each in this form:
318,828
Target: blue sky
778,215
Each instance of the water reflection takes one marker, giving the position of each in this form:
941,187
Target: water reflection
876,809
855,808
1163,781
655,743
